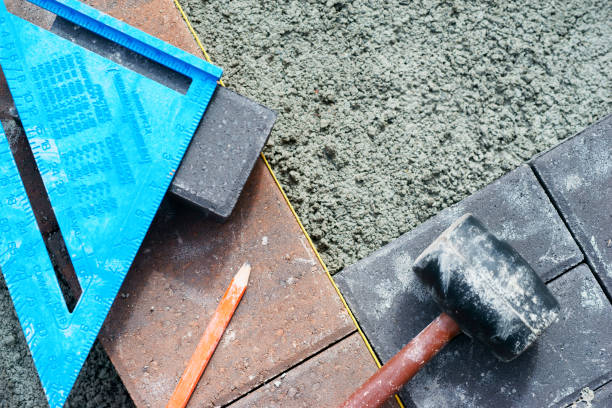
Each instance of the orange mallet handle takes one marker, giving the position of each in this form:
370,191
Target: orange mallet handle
404,365
210,339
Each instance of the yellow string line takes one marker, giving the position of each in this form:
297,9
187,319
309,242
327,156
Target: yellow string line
195,35
297,218
331,279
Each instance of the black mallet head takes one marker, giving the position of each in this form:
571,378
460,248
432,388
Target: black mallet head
487,288
484,288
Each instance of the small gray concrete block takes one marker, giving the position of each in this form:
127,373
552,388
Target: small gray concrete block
223,152
578,175
390,303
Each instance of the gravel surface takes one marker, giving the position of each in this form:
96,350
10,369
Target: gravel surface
391,111
388,113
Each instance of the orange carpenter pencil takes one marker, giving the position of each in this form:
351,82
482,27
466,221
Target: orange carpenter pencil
210,338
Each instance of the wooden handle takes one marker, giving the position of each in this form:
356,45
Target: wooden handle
404,365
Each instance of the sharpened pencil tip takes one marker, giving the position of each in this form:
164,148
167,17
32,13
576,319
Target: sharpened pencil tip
242,277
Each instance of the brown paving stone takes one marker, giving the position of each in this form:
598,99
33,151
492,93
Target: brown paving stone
323,381
157,17
30,12
290,310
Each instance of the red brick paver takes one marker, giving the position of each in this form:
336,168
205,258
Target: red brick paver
326,380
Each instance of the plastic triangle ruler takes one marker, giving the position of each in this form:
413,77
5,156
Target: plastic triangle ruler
107,142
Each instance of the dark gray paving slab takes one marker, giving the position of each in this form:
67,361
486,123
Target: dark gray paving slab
226,144
384,293
574,352
578,175
392,306
603,396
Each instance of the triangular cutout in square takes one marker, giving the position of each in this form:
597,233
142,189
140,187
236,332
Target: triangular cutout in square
107,142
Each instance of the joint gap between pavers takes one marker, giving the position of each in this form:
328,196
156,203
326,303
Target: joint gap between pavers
554,278
603,385
303,361
555,205
571,399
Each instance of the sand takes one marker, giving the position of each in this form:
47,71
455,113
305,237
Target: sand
391,111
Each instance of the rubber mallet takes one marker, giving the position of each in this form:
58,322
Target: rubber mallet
485,290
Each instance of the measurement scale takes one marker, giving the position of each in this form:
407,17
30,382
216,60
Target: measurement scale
107,142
